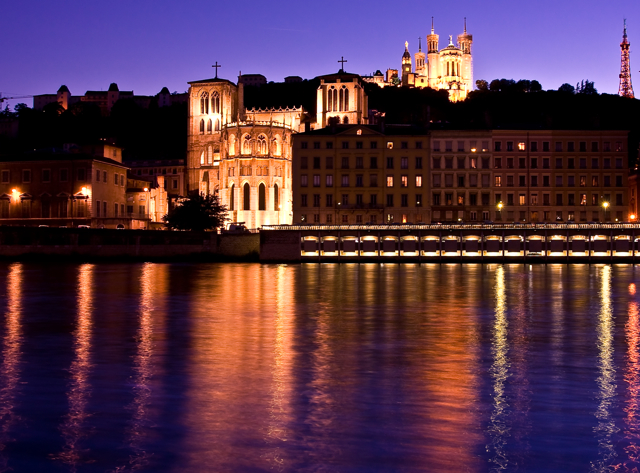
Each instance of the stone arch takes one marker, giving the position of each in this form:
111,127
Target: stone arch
232,197
209,126
204,103
202,126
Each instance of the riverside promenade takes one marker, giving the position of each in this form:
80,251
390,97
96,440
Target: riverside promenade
460,243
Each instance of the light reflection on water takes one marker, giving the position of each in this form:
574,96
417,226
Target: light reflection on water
11,351
243,367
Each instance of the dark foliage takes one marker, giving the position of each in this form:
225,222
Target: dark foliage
280,94
198,212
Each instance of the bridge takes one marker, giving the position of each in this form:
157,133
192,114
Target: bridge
463,243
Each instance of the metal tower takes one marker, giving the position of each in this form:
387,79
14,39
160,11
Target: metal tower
625,89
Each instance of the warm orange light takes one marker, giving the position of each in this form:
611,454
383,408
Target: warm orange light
84,190
146,189
632,217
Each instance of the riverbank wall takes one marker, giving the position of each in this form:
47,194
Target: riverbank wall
41,243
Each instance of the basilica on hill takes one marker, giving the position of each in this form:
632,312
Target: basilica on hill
450,68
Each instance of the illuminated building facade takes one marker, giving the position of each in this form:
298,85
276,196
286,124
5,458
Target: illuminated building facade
71,189
370,174
244,154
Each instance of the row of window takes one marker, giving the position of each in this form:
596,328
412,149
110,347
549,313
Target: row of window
594,146
46,175
154,171
359,162
460,198
471,216
358,144
359,181
533,181
211,126
450,199
204,103
534,163
259,171
359,201
246,197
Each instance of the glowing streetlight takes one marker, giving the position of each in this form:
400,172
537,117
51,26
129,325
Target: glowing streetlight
606,206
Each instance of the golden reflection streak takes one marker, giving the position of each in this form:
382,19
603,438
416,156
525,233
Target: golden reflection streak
606,381
79,388
499,427
10,372
632,378
280,409
143,372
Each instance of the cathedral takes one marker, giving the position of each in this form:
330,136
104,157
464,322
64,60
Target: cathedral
450,68
244,155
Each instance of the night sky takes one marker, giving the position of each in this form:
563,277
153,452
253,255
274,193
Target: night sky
144,45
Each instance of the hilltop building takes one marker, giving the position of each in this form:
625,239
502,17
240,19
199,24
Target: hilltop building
105,99
450,68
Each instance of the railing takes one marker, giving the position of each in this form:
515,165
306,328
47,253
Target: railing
464,226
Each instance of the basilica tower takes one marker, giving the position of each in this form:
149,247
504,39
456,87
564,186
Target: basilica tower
421,66
464,41
406,64
433,58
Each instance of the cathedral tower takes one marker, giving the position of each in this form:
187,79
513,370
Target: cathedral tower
433,57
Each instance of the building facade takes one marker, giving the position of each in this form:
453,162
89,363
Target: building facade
367,174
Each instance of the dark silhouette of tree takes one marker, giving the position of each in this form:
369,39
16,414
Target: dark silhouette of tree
567,88
198,212
586,87
482,84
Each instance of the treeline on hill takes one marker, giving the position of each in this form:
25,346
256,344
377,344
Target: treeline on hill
144,133
162,132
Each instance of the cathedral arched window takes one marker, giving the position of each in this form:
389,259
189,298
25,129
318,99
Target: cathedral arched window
346,99
217,125
209,155
209,126
276,198
277,146
232,145
246,144
246,191
202,156
262,197
202,127
262,145
345,120
232,198
204,103
215,102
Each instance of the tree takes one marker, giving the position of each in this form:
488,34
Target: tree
586,87
482,84
567,89
198,212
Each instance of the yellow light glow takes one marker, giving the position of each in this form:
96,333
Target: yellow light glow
84,190
473,150
632,217
605,204
146,189
499,205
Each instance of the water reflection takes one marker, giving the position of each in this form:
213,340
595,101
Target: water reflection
74,425
632,379
499,426
278,429
606,427
11,354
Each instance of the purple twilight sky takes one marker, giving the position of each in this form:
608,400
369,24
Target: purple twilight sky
144,45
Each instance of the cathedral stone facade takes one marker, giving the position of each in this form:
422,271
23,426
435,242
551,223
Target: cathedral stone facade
244,155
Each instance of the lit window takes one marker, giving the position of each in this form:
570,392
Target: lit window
419,180
389,181
521,146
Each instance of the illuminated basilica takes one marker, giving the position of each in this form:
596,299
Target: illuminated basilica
450,68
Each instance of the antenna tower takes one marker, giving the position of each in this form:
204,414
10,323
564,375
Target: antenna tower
625,89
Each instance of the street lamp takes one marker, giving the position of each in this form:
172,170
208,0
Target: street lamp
500,205
606,206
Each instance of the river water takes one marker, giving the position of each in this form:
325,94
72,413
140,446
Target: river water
319,368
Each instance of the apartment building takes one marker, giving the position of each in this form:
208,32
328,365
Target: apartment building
355,174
